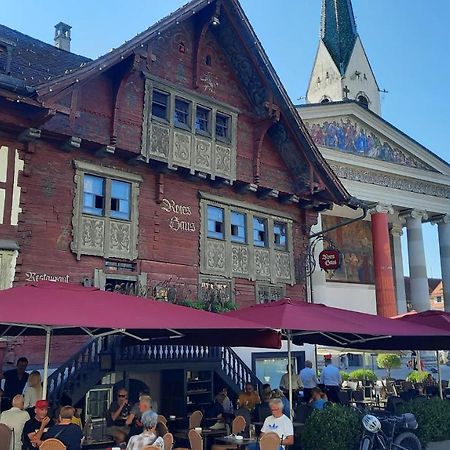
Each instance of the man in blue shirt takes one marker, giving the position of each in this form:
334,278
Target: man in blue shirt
332,380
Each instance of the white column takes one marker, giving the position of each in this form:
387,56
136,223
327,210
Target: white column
318,279
417,262
444,250
400,294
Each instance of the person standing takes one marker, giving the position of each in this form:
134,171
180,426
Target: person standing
296,384
332,380
15,418
33,392
15,381
308,377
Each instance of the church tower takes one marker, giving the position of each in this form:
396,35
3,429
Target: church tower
341,69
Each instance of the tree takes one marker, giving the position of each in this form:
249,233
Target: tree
389,361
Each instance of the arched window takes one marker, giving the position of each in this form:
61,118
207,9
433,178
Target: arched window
363,100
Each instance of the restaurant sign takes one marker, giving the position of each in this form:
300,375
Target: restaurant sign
330,259
34,276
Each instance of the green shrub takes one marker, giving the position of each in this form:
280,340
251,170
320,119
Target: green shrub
335,428
389,361
417,377
344,375
362,374
433,417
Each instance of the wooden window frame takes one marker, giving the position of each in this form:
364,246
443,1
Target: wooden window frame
99,235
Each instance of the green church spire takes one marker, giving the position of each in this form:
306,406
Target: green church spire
338,31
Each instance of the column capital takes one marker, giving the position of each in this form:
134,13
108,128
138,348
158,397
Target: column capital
444,218
397,229
382,208
416,214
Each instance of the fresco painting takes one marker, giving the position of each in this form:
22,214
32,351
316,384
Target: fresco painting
349,137
355,242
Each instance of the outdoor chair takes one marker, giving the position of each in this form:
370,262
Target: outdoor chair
151,447
5,436
168,441
195,420
237,426
161,429
406,385
52,444
269,441
195,440
162,419
302,412
358,395
344,396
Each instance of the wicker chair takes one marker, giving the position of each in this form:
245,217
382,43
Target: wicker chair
269,441
237,426
162,419
5,436
52,444
168,441
195,440
195,420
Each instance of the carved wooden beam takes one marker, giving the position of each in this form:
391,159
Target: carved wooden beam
30,134
71,144
264,192
104,151
242,187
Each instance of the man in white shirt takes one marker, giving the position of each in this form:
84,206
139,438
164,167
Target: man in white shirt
279,423
15,418
308,377
332,380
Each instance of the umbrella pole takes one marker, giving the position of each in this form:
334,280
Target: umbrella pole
291,406
438,362
46,359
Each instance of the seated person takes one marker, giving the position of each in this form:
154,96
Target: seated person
216,410
117,414
277,423
318,399
67,432
148,436
134,418
36,426
120,440
265,394
249,398
227,404
276,393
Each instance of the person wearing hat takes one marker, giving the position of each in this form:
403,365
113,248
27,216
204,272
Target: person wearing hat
36,426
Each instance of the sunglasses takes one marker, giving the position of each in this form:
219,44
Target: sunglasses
121,395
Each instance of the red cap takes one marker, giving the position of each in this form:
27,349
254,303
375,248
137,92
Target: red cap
41,404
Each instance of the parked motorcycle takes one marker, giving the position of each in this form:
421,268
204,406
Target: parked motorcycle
389,433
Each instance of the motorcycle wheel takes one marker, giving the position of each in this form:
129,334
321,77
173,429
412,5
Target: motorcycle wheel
407,441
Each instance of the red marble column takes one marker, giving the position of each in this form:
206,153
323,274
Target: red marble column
382,262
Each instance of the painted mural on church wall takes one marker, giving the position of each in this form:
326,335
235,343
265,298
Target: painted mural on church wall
349,137
355,242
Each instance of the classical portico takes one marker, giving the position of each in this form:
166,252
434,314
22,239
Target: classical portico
377,163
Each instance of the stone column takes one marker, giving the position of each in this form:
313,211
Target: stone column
417,263
382,261
396,232
444,250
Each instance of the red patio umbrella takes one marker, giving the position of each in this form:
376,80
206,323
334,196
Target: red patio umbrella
61,308
431,318
303,322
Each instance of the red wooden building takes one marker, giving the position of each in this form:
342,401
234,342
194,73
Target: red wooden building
174,166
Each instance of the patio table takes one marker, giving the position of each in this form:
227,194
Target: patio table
239,443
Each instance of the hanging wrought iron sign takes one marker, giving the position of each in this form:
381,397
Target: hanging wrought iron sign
330,259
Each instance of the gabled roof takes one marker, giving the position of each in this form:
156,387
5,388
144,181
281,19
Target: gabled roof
34,61
256,57
338,31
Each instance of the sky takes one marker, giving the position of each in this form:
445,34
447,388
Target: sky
406,42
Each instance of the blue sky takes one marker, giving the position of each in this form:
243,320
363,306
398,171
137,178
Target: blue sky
406,41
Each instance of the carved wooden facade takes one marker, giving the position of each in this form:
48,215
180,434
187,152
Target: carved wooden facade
187,115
